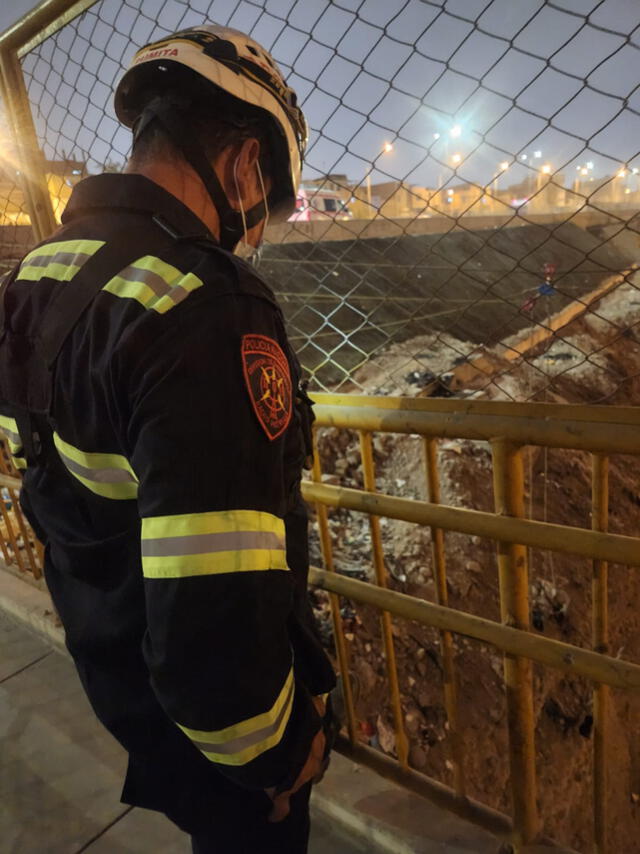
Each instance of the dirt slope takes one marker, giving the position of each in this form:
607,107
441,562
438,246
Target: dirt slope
603,363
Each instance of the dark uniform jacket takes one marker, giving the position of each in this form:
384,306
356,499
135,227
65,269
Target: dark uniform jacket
164,454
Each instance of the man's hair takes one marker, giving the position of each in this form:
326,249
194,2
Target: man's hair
215,123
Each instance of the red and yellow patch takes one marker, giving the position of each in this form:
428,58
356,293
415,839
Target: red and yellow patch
266,372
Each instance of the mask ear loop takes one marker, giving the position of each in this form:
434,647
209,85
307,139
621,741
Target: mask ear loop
264,196
244,219
252,254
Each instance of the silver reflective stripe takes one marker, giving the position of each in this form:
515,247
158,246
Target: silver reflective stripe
69,259
113,475
241,743
146,277
14,437
207,543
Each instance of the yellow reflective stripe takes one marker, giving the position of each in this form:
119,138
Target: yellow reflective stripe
211,522
108,475
214,563
77,247
212,543
14,447
240,743
153,283
10,429
60,260
58,271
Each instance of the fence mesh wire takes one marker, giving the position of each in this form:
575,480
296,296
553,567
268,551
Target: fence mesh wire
468,225
467,220
15,228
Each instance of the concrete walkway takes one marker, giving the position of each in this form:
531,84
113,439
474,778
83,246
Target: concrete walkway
61,773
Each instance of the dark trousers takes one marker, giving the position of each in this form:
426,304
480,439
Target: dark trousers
245,829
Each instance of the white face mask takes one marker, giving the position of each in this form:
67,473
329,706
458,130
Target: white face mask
243,249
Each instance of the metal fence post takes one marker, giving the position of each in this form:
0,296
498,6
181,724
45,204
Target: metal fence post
32,178
508,484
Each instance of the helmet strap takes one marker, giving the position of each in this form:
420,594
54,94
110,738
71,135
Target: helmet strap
233,223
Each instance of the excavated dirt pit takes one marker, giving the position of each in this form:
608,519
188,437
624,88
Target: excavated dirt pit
558,489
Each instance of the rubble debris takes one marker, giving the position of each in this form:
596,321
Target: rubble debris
560,590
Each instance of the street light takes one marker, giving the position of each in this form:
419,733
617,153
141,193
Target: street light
453,132
582,169
545,169
387,148
502,167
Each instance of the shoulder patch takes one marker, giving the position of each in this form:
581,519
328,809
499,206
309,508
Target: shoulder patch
268,379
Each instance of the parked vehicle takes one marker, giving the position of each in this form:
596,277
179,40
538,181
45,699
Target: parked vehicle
319,204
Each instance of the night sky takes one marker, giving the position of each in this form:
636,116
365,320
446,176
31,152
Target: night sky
559,78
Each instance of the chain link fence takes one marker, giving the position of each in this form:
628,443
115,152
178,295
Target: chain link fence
467,222
467,226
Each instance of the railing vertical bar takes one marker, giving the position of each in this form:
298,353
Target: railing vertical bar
508,480
4,550
338,632
600,522
17,512
368,469
40,553
446,638
12,536
7,468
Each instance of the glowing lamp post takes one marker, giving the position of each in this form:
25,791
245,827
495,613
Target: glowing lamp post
502,167
387,148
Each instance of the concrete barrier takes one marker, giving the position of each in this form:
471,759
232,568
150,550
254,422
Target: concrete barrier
335,230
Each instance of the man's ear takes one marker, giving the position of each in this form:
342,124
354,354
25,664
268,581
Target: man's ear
239,168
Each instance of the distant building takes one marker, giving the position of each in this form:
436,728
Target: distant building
336,182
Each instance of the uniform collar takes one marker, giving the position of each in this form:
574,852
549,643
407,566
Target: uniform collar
133,193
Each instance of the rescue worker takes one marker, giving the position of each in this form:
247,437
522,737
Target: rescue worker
152,399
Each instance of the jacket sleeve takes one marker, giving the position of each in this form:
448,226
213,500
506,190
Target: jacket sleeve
212,501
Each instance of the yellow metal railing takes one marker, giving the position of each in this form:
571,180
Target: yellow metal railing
508,428
19,547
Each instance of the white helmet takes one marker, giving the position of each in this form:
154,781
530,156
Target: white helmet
235,67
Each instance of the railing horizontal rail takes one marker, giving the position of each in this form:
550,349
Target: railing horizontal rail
40,23
531,410
615,548
583,662
600,429
10,482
